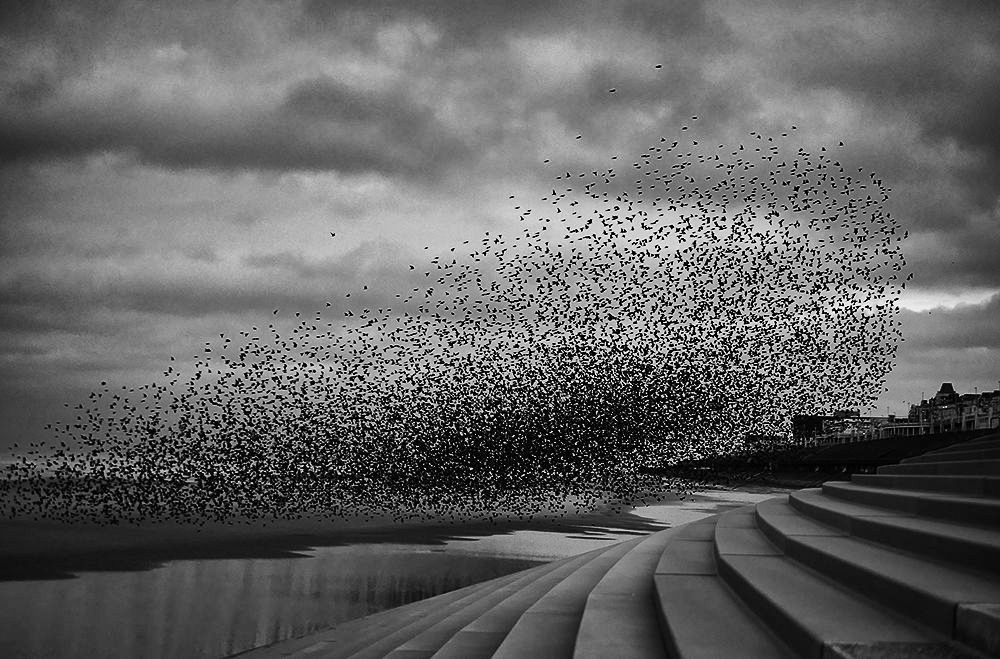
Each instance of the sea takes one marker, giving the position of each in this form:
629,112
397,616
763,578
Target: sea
217,607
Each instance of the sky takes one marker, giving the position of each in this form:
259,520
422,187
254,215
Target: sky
171,171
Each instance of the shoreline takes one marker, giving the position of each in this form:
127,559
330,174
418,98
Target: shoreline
59,550
143,589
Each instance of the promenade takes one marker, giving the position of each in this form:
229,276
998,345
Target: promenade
901,563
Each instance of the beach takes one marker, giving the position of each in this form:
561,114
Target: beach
164,590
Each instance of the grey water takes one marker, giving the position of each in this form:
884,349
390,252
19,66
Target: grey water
214,608
208,608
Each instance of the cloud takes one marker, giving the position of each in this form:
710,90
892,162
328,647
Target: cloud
959,345
187,103
966,326
912,94
376,259
172,167
320,125
933,65
960,256
68,299
170,92
478,24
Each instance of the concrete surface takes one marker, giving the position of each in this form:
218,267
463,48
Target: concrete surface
901,563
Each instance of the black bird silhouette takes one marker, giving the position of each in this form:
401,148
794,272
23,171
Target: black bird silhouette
621,326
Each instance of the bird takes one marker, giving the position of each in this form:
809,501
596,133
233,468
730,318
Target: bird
624,322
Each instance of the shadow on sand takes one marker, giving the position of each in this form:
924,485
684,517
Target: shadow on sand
50,550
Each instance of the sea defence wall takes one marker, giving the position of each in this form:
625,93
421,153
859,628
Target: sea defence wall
900,563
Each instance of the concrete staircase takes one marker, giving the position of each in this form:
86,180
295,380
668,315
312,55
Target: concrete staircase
902,563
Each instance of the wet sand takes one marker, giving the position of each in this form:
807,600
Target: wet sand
173,590
53,550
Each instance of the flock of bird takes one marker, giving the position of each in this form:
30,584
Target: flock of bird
666,310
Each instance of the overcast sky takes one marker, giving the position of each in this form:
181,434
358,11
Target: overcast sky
172,170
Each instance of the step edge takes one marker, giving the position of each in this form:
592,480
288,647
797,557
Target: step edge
464,628
412,629
893,532
538,608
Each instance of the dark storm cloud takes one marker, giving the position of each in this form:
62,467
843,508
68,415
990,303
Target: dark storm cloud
321,125
921,80
672,33
483,23
682,80
36,304
36,316
404,135
20,243
89,77
76,32
967,260
377,259
39,303
31,90
935,64
967,326
466,99
42,302
27,17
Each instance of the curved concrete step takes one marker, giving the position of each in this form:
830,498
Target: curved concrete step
425,639
681,557
969,510
810,612
956,468
348,633
927,591
905,562
700,616
430,639
778,519
481,635
955,456
549,627
384,640
737,533
977,486
979,442
969,546
620,618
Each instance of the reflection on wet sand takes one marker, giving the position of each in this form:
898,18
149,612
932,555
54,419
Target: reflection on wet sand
227,591
213,608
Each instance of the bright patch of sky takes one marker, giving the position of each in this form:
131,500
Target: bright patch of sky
925,300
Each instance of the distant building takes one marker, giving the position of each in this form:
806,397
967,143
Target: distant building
895,427
948,411
805,427
841,427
